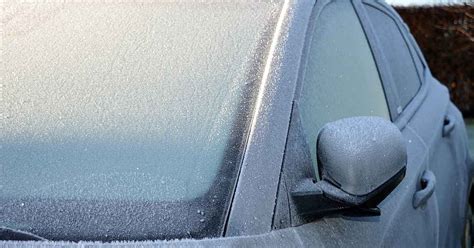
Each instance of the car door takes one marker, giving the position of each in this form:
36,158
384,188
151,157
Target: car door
434,118
344,74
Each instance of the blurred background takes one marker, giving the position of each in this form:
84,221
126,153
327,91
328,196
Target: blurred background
444,29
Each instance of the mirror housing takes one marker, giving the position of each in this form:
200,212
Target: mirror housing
361,160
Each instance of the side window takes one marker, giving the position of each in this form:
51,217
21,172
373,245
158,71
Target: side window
341,78
418,56
397,54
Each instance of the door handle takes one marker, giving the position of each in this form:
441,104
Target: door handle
428,182
448,125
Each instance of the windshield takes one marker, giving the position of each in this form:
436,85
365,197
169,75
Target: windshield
126,120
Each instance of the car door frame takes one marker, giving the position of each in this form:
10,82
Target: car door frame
432,91
400,119
400,116
406,117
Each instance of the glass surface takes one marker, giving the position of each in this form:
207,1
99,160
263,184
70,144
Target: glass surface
136,102
341,78
397,54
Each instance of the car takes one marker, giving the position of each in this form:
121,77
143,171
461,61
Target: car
227,123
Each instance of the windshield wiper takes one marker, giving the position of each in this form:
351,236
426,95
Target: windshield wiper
17,235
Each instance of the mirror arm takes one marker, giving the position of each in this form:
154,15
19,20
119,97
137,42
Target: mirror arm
324,198
311,200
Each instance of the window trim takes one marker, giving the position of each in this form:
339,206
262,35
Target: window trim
391,94
419,53
402,28
402,118
405,30
361,6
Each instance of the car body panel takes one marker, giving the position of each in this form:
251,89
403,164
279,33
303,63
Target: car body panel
401,224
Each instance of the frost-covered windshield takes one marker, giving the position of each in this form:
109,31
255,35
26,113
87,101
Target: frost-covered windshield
131,104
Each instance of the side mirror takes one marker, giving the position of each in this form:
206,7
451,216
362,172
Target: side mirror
361,160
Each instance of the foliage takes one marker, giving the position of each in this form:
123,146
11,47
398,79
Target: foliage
446,36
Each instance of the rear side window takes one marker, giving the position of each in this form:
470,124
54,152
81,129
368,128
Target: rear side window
418,56
397,54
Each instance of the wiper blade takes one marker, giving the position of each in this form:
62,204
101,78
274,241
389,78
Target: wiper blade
17,235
